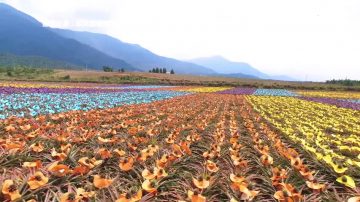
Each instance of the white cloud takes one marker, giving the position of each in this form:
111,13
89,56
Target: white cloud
314,39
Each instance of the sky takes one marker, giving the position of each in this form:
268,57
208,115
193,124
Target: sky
305,39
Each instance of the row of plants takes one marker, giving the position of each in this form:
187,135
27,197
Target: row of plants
329,133
33,104
330,94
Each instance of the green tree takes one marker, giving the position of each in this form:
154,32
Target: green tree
160,70
157,70
172,71
107,69
164,70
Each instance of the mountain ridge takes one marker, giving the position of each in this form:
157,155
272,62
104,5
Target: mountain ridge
134,54
23,35
227,67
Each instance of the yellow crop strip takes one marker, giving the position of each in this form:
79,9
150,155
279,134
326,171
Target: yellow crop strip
332,134
330,94
207,89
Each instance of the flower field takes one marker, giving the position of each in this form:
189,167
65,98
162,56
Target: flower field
62,142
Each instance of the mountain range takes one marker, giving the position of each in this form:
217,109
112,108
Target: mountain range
25,38
235,69
20,34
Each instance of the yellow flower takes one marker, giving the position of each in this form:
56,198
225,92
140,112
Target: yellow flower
347,181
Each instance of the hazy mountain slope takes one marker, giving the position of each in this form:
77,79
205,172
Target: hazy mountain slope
21,34
133,53
229,68
10,60
224,66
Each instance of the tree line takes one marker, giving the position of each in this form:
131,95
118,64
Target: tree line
161,70
153,70
344,82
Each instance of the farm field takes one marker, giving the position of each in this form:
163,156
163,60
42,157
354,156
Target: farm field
73,142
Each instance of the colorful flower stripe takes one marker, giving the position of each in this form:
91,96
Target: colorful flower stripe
207,89
11,90
51,85
142,87
239,91
332,134
274,92
333,101
330,94
38,103
353,101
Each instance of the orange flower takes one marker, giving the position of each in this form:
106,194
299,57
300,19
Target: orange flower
126,164
176,154
106,140
170,140
120,152
196,197
283,196
137,196
10,190
296,162
149,186
211,166
81,170
37,147
10,128
266,160
37,180
14,146
263,149
201,183
69,197
80,195
58,156
101,183
315,186
132,147
126,197
354,199
35,164
144,154
236,178
163,161
185,146
306,173
240,163
130,197
235,157
153,148
90,163
65,148
287,193
247,194
84,195
104,153
278,174
160,173
148,174
59,170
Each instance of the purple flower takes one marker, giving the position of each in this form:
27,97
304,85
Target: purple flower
333,101
238,91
